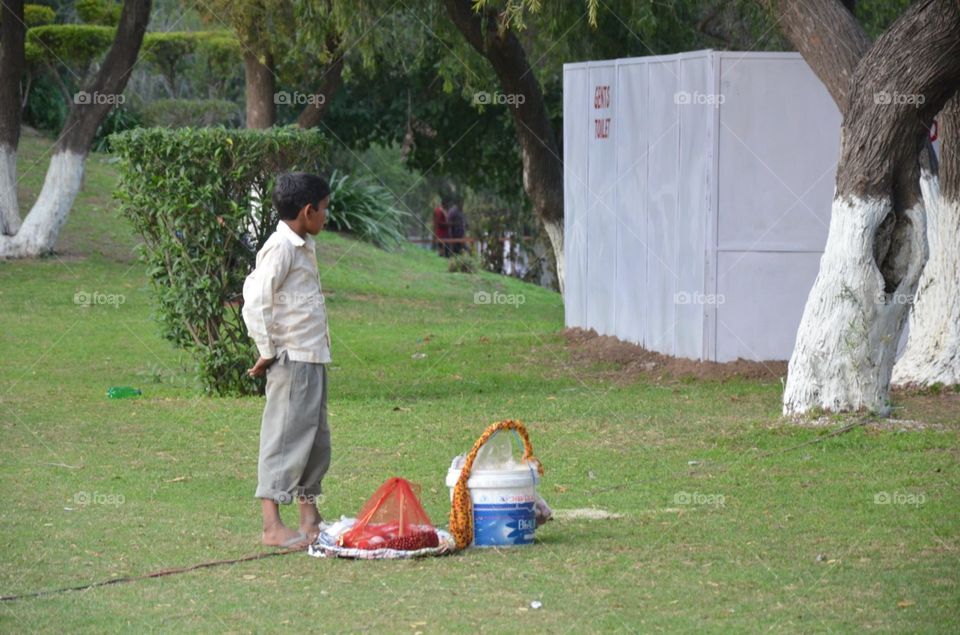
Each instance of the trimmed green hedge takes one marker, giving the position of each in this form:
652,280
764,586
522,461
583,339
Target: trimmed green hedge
38,15
104,12
78,44
193,195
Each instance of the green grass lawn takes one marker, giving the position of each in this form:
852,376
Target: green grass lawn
724,524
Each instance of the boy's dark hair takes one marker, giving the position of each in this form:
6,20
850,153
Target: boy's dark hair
294,190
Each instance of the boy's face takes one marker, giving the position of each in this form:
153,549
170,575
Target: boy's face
315,216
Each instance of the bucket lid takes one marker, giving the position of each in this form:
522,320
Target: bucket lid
522,476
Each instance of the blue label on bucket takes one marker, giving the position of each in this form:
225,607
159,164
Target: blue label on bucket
503,524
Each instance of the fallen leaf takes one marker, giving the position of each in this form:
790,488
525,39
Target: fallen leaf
177,480
905,603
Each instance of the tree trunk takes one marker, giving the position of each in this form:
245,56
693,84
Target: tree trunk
830,39
932,355
542,166
876,245
312,114
260,85
12,37
39,232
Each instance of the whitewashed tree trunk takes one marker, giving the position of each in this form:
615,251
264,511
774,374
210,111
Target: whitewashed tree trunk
9,209
13,34
41,228
850,329
38,233
554,232
932,354
876,247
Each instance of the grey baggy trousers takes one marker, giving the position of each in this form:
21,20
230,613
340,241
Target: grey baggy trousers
294,435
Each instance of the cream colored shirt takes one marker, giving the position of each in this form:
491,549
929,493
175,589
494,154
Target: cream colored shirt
283,305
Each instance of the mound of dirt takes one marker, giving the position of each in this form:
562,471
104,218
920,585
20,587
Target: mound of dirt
587,347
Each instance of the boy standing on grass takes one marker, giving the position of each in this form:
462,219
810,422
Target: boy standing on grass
285,315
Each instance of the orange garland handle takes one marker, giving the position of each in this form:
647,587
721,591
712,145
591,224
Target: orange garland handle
461,508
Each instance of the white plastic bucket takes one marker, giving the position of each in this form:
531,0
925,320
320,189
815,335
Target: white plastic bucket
503,505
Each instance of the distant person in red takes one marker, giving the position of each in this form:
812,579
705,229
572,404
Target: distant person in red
441,231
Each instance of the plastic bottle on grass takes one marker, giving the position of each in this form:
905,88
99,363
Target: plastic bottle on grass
123,392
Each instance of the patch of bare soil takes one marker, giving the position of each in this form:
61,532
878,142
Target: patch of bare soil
585,346
931,406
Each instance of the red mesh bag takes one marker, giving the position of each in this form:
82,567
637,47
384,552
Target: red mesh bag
392,519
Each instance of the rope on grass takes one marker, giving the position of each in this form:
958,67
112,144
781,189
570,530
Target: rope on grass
147,576
461,521
461,508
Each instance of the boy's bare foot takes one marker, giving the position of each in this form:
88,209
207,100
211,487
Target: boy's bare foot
310,520
279,535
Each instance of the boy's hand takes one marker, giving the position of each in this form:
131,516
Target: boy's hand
261,366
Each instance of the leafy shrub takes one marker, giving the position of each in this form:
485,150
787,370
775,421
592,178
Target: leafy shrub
365,209
45,109
180,113
194,196
464,262
119,118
